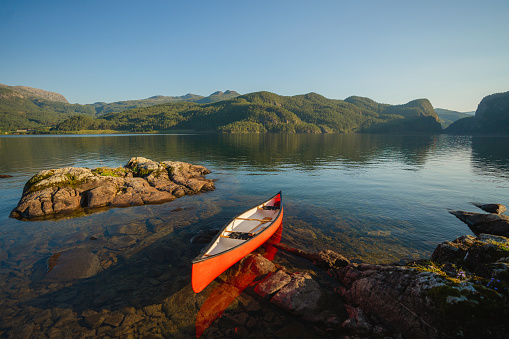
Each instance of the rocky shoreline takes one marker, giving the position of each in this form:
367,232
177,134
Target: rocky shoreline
142,181
132,280
461,291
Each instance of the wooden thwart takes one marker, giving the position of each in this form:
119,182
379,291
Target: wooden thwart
262,221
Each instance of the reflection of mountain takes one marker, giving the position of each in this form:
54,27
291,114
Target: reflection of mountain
311,151
488,157
265,152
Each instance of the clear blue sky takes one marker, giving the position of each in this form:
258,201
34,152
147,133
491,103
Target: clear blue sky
452,52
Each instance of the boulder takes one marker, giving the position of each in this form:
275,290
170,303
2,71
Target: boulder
141,181
495,224
273,283
300,296
465,279
491,208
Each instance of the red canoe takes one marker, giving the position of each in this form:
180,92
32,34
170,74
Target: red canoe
242,235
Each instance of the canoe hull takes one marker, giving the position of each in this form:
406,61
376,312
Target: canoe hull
206,269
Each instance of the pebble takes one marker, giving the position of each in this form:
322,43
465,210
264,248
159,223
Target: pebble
94,320
114,320
153,310
131,319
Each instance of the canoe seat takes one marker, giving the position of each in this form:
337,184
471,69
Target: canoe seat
270,208
238,235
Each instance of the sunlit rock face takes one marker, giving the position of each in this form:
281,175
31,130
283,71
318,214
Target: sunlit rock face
141,181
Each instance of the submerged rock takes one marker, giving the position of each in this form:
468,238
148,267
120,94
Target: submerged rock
299,296
324,259
141,181
72,265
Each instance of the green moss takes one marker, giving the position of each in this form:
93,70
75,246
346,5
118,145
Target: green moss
501,246
38,178
110,172
430,266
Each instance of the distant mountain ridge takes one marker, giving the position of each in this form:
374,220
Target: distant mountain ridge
263,112
39,93
23,107
447,117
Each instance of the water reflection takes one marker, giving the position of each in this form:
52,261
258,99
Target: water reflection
267,151
237,279
490,156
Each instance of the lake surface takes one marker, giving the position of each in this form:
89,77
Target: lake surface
373,198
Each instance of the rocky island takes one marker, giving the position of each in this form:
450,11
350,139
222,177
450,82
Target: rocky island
141,181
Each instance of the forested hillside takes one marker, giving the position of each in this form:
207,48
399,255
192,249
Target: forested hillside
24,107
491,118
21,110
447,116
268,112
259,112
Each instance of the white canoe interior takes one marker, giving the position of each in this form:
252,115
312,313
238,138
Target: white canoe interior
250,223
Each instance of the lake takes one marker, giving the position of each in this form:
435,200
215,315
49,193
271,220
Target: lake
374,198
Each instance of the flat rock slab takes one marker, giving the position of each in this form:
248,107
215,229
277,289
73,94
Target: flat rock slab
142,181
72,265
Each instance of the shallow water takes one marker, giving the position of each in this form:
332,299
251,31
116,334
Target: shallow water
370,197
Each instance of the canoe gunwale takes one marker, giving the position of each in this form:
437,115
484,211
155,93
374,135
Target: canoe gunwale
203,257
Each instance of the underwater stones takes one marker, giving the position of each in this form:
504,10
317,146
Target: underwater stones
259,265
72,265
273,283
324,259
299,296
141,181
205,236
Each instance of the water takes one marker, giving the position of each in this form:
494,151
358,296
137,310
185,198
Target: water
374,198
392,189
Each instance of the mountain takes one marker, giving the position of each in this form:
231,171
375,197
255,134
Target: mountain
491,118
229,112
120,106
36,93
24,110
447,117
261,112
218,96
24,107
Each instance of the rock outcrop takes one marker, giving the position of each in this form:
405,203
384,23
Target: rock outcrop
491,208
141,181
495,224
461,292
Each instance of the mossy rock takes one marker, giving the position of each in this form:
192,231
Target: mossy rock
110,172
469,310
38,178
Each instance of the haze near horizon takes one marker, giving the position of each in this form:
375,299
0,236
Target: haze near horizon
451,53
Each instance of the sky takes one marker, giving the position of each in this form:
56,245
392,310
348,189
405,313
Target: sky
453,53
